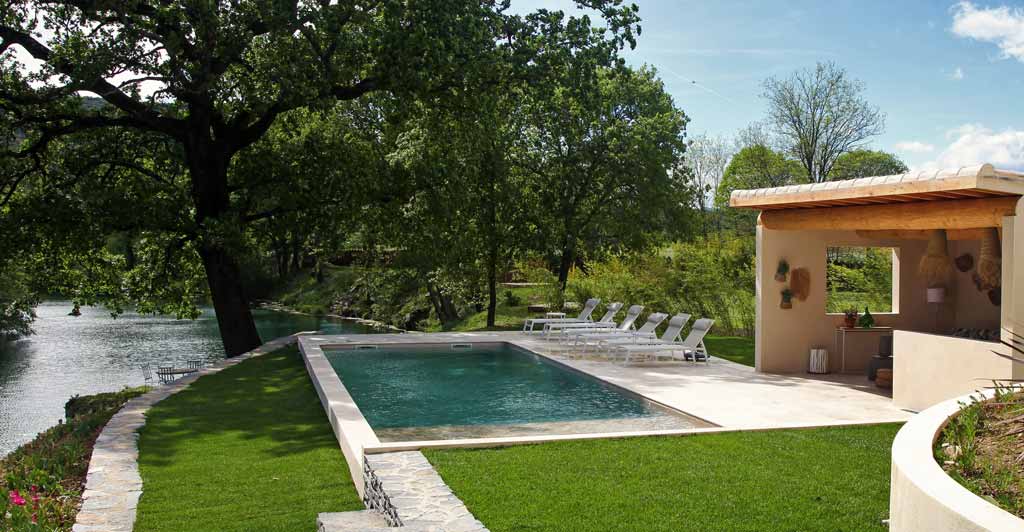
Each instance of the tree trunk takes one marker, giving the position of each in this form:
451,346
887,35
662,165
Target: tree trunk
443,306
492,284
568,257
234,318
208,167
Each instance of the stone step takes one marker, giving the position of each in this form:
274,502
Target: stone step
358,521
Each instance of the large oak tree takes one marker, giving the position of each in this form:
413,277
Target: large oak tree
188,85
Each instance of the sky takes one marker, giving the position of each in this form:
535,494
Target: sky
948,75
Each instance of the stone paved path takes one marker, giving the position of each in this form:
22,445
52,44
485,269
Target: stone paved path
113,485
423,500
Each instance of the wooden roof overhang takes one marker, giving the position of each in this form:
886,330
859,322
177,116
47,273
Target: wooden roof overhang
965,198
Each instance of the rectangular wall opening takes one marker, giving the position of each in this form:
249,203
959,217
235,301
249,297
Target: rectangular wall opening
859,277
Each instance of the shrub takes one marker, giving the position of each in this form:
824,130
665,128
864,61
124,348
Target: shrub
511,299
711,278
41,482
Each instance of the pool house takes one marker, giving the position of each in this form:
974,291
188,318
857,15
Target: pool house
955,239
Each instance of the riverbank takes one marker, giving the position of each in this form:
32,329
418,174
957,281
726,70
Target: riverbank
378,326
95,353
41,482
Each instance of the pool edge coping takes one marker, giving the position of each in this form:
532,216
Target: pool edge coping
351,429
375,446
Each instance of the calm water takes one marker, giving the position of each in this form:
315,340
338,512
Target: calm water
487,385
95,353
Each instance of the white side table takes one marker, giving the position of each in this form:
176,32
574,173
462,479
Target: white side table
553,315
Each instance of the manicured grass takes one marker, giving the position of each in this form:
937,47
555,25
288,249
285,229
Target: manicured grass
735,348
246,449
834,479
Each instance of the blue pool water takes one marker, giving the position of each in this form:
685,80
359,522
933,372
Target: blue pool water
490,384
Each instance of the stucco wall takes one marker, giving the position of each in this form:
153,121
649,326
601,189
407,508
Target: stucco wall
973,308
1013,279
929,369
784,337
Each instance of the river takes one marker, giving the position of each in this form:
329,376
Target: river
95,353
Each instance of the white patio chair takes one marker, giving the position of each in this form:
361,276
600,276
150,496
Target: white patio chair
553,330
575,334
584,316
646,333
147,373
691,349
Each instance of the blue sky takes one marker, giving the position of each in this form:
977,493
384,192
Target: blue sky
948,75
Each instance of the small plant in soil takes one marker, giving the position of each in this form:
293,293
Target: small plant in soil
850,315
982,448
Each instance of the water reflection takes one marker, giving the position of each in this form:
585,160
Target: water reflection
95,353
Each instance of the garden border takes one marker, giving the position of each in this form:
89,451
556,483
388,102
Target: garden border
923,497
113,484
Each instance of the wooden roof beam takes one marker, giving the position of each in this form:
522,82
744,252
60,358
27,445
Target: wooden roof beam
920,215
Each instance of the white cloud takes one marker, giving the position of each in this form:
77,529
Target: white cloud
957,75
914,146
973,144
1002,26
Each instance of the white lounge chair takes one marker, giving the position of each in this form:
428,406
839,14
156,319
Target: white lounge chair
691,349
551,330
571,334
584,316
646,333
596,336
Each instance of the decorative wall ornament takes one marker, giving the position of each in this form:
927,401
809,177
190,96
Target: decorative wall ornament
787,299
964,262
782,271
990,260
866,320
936,266
800,283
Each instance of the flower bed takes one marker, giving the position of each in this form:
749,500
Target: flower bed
982,448
41,482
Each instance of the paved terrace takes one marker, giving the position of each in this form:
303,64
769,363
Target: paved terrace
727,394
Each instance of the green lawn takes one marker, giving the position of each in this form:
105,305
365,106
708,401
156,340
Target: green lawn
834,479
735,348
246,449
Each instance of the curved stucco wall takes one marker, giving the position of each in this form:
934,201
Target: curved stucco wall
923,498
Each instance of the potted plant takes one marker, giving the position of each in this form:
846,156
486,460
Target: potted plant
787,299
782,271
850,320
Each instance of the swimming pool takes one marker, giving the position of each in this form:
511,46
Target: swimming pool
436,392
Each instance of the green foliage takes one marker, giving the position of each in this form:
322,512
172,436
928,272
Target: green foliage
245,449
17,304
511,299
866,163
707,278
834,479
858,278
601,157
758,166
41,482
